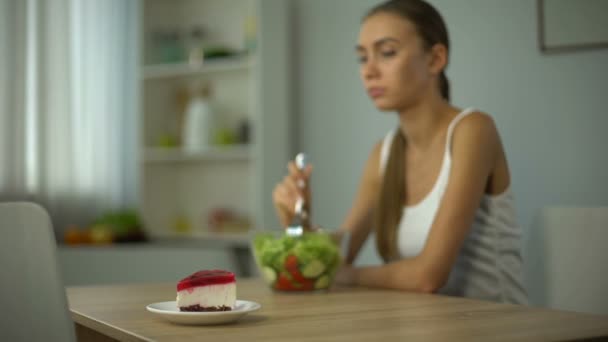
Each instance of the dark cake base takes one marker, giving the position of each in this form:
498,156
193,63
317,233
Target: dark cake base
198,308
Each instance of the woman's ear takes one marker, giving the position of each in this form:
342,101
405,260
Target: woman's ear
438,58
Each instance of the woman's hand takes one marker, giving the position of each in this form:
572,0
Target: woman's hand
345,275
286,193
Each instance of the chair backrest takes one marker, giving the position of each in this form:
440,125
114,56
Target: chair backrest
569,259
34,305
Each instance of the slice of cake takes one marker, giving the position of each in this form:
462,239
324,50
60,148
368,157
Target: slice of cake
208,290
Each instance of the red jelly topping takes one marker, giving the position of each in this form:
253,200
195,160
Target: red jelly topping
206,277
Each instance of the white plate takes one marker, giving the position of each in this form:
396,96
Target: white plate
170,311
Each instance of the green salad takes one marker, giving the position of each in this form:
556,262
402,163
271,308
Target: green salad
301,263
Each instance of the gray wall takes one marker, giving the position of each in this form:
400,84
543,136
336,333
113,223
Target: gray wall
135,263
550,109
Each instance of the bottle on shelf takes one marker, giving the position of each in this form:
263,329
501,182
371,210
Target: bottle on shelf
195,47
167,47
244,132
199,119
250,34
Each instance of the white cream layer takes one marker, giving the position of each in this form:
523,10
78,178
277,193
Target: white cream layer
208,295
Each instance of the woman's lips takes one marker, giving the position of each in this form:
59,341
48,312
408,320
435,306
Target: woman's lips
375,92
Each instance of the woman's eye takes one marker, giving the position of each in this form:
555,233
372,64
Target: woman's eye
388,53
362,59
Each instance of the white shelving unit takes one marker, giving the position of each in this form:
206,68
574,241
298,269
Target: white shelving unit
174,183
178,185
156,71
213,154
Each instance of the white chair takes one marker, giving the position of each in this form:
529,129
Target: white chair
34,306
567,259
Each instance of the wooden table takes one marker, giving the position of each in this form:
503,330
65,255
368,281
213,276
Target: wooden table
118,312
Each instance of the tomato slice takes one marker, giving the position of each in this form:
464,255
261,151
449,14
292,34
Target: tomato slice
293,280
308,285
291,265
284,283
291,262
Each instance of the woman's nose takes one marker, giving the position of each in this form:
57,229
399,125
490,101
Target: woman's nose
370,69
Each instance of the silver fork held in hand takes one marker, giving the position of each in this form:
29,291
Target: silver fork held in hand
301,161
300,219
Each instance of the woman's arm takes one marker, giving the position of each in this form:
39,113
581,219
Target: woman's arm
475,147
358,223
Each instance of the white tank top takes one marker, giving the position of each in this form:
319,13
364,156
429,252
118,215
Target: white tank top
489,265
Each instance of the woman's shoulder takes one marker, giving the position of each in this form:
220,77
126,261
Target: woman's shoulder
476,133
473,116
475,124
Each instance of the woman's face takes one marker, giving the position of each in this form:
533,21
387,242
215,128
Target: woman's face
394,66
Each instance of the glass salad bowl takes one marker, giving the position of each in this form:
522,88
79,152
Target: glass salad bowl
304,263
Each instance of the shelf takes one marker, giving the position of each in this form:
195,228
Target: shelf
215,153
174,240
157,71
217,239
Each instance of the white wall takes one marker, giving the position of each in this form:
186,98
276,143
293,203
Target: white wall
549,108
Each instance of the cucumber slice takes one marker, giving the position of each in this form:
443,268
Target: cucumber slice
313,269
322,283
269,274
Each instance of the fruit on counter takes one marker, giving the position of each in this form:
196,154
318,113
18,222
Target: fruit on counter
181,224
227,220
218,216
73,235
225,136
101,234
118,226
124,225
167,141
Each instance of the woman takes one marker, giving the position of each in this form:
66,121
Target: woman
437,188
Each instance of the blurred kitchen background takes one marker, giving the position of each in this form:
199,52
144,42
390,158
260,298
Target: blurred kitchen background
155,130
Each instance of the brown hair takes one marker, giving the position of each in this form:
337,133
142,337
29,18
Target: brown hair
432,30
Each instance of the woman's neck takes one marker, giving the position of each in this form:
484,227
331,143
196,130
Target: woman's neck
421,124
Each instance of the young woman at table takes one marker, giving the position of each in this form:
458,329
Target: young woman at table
437,188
